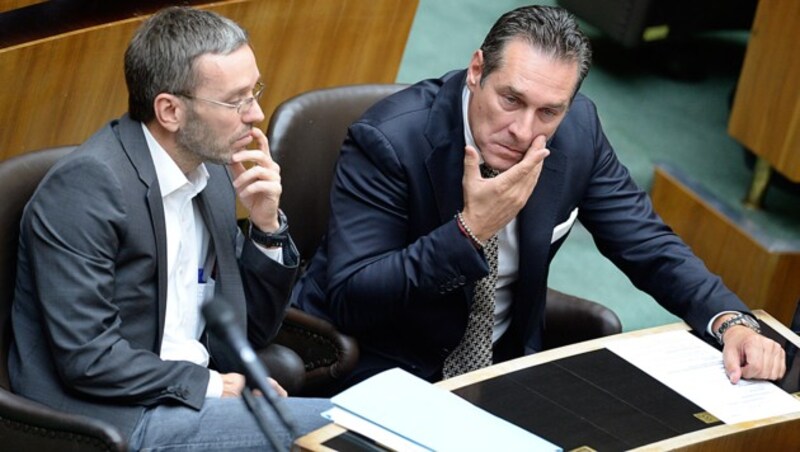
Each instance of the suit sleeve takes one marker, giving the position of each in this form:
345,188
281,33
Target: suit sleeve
626,229
74,227
378,266
267,286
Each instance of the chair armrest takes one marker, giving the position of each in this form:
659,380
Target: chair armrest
327,354
570,319
28,425
285,366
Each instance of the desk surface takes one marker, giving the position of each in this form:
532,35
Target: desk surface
604,425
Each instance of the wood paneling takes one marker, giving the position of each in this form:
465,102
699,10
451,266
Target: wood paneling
766,111
60,89
762,274
8,5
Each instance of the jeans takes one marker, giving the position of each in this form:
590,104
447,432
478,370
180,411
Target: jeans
224,424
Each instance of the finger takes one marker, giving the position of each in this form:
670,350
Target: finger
278,388
538,143
732,363
261,140
237,169
774,361
255,156
471,163
255,174
529,167
272,189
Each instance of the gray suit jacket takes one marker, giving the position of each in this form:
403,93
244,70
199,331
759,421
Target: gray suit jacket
88,312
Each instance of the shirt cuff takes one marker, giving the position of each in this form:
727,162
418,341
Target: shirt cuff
214,389
275,254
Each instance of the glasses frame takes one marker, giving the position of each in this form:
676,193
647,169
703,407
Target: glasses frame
241,107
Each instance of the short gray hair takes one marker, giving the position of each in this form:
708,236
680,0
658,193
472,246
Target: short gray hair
161,56
549,29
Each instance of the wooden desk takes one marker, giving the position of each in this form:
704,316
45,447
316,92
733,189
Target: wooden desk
778,433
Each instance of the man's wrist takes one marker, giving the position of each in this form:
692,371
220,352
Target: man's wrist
467,232
740,319
274,239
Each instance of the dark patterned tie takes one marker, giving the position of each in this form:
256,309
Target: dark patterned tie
475,350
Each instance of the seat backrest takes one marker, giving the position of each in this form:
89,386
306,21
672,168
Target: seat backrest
19,177
305,135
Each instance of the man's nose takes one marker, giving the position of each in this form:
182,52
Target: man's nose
254,115
524,127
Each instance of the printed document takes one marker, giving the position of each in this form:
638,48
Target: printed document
694,369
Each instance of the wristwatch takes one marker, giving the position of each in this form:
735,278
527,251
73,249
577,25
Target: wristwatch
272,239
738,319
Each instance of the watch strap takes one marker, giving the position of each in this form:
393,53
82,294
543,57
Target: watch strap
739,319
273,239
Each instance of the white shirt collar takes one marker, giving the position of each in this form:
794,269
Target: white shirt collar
468,138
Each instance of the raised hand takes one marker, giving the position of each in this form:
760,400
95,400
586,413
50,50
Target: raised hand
257,180
490,204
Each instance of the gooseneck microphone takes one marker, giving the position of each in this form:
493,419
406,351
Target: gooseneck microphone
221,321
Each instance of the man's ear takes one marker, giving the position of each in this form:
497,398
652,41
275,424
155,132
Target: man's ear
170,111
475,69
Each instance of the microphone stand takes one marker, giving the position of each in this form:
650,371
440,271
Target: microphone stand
257,378
257,409
221,320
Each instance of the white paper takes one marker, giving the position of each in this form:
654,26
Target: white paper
431,417
375,432
694,370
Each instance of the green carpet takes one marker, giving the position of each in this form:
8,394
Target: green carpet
647,116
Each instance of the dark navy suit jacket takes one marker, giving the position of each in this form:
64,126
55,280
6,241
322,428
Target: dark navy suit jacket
395,272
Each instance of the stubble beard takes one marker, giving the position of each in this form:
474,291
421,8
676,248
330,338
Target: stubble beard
197,139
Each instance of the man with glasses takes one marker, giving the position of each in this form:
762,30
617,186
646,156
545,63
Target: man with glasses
131,234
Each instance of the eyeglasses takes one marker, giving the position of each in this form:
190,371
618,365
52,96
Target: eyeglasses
241,107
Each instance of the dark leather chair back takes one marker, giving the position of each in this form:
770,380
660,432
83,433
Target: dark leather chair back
24,424
19,177
305,135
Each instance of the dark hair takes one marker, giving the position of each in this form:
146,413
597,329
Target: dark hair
160,58
549,29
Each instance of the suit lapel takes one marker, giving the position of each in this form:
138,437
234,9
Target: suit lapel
228,281
445,132
536,223
135,146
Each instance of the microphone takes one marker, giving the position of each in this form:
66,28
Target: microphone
221,321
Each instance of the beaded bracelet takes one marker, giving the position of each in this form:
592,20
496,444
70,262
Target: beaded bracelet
468,232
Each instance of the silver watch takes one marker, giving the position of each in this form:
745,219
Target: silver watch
738,319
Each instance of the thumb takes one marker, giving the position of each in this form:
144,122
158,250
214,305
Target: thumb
539,142
471,163
733,367
536,152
